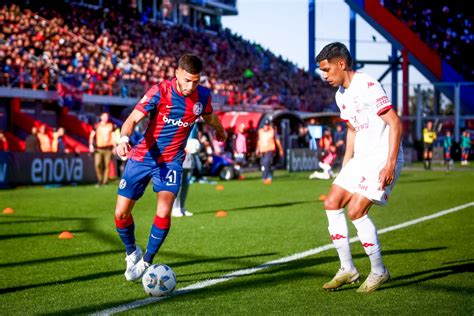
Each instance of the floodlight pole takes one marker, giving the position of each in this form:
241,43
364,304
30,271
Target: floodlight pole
311,35
352,35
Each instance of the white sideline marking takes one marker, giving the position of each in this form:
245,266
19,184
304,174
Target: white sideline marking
296,256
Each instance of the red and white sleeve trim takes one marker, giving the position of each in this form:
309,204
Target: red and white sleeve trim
384,109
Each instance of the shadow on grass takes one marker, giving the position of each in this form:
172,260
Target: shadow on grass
432,274
275,275
39,219
86,224
88,277
26,235
113,273
409,181
64,258
254,207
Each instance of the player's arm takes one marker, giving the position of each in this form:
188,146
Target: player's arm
127,129
350,137
213,120
387,174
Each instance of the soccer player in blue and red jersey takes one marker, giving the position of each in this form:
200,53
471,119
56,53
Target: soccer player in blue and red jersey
172,107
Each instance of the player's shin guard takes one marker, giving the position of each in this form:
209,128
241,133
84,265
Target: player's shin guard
340,237
126,230
368,237
159,231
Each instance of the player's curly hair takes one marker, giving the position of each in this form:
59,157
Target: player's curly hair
335,50
190,63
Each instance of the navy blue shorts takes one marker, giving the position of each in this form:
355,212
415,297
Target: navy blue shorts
137,174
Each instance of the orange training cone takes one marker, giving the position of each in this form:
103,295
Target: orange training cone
66,235
219,187
8,210
221,213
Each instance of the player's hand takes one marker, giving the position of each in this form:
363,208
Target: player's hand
221,135
91,148
386,176
122,150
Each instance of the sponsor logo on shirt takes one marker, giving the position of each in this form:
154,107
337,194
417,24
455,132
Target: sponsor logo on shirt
361,185
178,122
197,108
122,184
382,101
370,84
357,125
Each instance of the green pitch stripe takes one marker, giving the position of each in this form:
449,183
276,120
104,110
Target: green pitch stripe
307,253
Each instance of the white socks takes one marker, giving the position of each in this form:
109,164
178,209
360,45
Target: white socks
367,234
340,237
368,237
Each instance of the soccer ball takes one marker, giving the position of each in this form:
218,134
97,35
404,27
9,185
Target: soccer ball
159,280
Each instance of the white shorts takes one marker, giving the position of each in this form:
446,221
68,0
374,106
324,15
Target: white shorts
362,176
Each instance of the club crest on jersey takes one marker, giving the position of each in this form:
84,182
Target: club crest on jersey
122,184
197,108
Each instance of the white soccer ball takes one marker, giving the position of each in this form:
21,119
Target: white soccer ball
159,280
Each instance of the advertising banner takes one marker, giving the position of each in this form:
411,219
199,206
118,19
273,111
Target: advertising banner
300,159
45,168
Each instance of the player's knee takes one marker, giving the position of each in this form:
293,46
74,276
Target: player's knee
355,212
332,203
121,215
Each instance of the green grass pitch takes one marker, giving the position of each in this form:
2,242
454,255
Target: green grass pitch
431,263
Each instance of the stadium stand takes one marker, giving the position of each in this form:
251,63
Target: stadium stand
108,52
445,26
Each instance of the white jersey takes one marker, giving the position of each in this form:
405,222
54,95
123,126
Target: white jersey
361,104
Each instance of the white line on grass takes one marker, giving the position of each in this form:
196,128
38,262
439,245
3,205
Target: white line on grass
296,256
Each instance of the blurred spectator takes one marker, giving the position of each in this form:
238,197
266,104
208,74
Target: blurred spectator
32,144
123,56
445,26
101,143
240,145
3,142
326,165
58,145
44,140
303,137
268,144
252,137
189,163
340,140
325,142
465,147
447,146
429,136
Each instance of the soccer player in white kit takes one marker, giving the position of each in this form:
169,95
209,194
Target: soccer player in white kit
371,165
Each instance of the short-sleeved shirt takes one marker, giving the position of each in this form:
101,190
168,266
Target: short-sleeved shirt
172,116
429,136
361,104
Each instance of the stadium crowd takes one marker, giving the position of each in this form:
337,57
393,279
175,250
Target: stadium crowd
445,27
108,52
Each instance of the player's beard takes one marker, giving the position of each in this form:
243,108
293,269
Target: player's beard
183,91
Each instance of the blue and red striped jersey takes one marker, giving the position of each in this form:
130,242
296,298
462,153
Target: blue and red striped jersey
172,116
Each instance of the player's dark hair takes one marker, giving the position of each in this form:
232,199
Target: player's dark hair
335,50
190,63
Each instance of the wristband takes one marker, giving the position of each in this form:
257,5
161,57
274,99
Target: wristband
124,139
